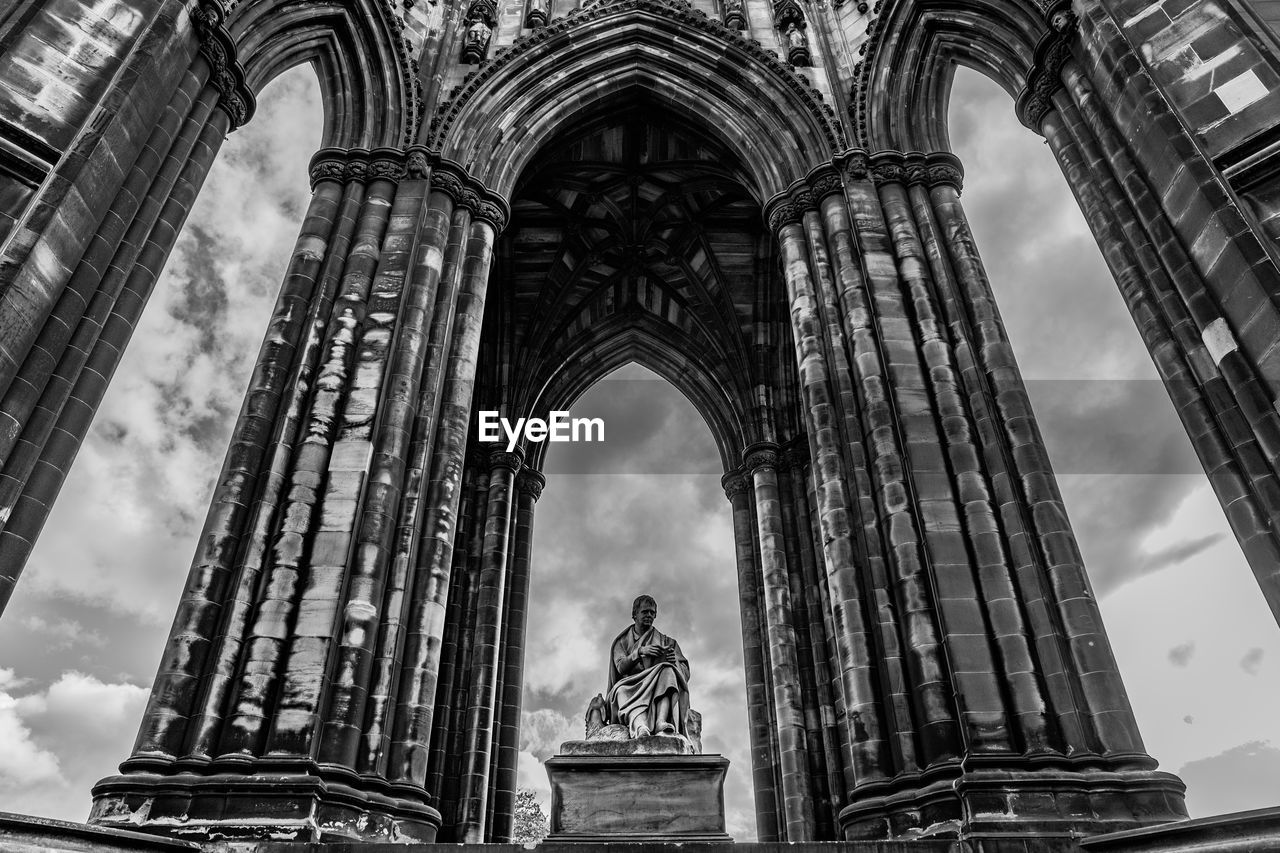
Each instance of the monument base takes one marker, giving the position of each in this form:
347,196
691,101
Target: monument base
637,798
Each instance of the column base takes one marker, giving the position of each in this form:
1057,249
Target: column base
265,802
991,803
653,798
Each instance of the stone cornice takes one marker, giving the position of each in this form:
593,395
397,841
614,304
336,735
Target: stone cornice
414,163
226,74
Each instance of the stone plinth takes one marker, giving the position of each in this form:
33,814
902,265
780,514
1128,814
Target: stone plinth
637,797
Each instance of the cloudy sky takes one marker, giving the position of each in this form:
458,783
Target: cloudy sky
79,644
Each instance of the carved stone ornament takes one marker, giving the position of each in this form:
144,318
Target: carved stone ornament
857,165
384,169
559,35
824,183
225,73
530,482
734,484
735,15
475,45
512,460
328,169
887,167
763,455
417,165
1036,99
946,174
803,200
782,215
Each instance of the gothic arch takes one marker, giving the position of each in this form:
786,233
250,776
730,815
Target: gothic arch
694,66
368,80
904,77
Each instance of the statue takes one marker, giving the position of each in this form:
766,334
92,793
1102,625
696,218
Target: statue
797,46
646,709
477,41
648,677
735,15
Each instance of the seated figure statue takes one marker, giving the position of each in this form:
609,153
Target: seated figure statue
648,696
648,676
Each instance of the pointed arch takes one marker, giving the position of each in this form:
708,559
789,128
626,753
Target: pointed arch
696,67
367,77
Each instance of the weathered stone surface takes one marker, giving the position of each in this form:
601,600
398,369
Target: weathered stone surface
637,798
923,652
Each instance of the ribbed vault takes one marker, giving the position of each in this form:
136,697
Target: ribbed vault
633,238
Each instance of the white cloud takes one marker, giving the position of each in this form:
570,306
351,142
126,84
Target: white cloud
57,742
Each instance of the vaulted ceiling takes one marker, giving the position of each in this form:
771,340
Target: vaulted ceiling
633,238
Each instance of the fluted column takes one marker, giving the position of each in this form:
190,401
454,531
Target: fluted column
301,668
529,485
473,802
738,491
797,791
873,756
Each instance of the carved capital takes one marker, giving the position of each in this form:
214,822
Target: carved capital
511,460
226,75
328,166
1036,99
448,183
386,169
735,483
530,482
763,454
491,210
888,167
945,170
358,170
783,214
825,182
803,200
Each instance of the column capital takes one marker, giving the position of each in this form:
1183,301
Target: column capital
226,74
530,482
762,454
824,181
509,459
734,483
781,211
1045,78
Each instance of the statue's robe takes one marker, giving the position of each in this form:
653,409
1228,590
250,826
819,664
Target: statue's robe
636,682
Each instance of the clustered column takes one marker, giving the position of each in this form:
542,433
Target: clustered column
956,647
100,243
1169,258
475,743
308,642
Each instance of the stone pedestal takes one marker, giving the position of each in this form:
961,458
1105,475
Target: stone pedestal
637,798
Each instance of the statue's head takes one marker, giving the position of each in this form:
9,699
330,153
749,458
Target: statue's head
643,611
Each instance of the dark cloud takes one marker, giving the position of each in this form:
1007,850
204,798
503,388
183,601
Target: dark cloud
1252,660
1239,779
1181,655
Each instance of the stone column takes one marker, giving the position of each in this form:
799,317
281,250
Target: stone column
473,802
761,461
330,540
529,485
737,489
